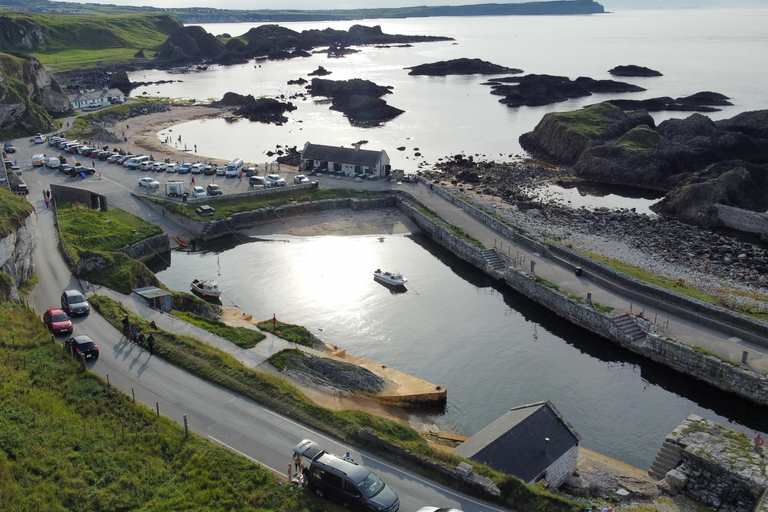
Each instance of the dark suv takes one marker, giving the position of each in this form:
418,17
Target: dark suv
73,303
350,484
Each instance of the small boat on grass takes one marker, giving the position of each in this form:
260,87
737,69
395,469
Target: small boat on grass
206,288
390,278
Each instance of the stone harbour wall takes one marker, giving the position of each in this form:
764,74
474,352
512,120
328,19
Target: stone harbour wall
145,250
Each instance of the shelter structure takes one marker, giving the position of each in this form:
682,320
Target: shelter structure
532,442
348,161
155,297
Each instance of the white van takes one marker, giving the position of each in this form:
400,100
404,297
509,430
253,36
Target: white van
53,162
234,167
135,162
38,160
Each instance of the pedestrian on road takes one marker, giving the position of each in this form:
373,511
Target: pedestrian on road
296,462
134,334
151,343
47,203
193,180
140,339
93,163
126,326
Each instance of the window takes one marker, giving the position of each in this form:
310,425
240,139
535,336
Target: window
336,166
328,478
350,488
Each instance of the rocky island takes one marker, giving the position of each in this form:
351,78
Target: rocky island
263,110
540,90
360,100
461,67
699,102
633,71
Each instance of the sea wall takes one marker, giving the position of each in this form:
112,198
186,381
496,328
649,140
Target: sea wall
145,250
682,358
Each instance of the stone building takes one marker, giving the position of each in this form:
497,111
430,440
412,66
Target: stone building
345,160
532,442
96,98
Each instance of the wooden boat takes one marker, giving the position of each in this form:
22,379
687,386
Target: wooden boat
390,278
206,288
180,241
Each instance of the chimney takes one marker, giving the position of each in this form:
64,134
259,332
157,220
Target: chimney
546,443
357,146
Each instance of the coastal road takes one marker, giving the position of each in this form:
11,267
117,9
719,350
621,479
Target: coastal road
213,412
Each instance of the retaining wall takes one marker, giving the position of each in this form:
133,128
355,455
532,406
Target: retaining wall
145,250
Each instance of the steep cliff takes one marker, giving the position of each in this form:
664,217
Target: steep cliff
28,95
18,240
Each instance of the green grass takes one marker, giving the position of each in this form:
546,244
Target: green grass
70,442
228,207
240,336
289,332
590,122
640,139
13,211
460,233
280,359
603,309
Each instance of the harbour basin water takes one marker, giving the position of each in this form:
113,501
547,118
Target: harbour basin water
490,347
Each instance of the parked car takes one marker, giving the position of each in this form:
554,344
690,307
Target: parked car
53,141
146,166
52,162
437,509
159,166
65,168
300,179
82,344
123,159
79,169
39,139
114,158
103,155
251,171
73,148
350,484
197,168
85,150
184,168
197,191
9,147
172,168
275,180
259,182
74,303
221,170
214,190
209,170
149,182
57,321
232,171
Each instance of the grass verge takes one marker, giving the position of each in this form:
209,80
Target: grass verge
70,442
289,332
240,336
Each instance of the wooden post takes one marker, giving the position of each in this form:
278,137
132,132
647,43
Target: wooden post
133,395
82,361
186,426
107,380
289,471
157,406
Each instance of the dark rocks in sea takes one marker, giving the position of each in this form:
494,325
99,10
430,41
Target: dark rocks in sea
299,81
360,100
320,71
632,70
461,67
291,156
263,110
194,44
699,102
540,90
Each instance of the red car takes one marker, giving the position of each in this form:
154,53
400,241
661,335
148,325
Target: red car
57,321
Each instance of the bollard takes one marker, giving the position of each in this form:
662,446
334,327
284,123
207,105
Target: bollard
133,395
107,380
186,427
289,472
82,361
744,356
533,264
157,406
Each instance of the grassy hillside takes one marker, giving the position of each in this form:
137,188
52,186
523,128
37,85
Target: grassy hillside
70,442
67,42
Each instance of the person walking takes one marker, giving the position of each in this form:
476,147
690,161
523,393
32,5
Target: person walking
296,462
140,339
126,327
151,343
134,334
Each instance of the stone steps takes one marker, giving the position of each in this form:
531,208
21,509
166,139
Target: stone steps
493,260
628,326
667,459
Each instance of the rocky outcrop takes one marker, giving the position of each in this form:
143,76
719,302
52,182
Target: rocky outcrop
540,90
320,71
263,110
460,67
28,95
17,250
190,44
632,70
699,102
562,137
358,99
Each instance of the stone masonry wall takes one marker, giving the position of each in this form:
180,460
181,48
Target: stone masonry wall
560,470
145,250
743,220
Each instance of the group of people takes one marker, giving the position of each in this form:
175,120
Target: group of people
131,333
301,472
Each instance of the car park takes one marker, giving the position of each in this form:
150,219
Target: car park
197,191
275,180
350,484
9,147
82,345
259,182
149,182
214,190
300,179
57,321
74,303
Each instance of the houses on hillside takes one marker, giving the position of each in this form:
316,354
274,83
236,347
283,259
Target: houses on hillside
347,160
96,98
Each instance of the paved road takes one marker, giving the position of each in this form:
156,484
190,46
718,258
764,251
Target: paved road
224,417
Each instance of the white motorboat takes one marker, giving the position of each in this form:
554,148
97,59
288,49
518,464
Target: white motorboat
391,278
206,288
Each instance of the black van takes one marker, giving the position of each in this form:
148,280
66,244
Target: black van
350,484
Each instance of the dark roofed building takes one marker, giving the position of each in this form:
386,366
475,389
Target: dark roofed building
516,444
347,160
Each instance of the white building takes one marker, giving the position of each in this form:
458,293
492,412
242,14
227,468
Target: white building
337,158
96,98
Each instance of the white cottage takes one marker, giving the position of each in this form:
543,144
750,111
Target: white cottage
337,158
96,98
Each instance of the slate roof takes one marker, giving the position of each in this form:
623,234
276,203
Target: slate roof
364,157
95,95
514,444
